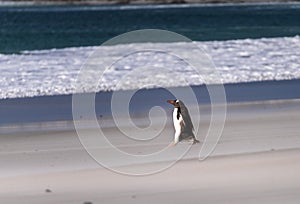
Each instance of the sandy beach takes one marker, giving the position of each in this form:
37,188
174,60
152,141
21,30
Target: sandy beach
55,149
256,161
270,177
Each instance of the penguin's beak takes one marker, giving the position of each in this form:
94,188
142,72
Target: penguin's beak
171,102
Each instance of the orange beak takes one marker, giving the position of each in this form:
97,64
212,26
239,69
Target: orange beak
171,102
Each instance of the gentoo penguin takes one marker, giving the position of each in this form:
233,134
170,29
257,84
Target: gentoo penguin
182,123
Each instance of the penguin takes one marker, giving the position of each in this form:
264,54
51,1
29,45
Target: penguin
182,123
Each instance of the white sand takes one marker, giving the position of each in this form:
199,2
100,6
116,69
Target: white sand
256,161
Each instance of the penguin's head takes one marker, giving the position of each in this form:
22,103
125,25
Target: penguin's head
174,103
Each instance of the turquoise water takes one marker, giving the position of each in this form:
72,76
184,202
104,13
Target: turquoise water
46,27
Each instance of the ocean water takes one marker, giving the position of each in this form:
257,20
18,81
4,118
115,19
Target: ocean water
42,49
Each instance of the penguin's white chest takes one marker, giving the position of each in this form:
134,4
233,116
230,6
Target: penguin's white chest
178,122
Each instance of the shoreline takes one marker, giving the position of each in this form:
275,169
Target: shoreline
58,126
59,108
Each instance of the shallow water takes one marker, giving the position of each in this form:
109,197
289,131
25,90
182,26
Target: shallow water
54,72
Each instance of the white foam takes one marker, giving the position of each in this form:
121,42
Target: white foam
54,72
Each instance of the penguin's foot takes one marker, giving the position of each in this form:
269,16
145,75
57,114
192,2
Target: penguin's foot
195,141
173,144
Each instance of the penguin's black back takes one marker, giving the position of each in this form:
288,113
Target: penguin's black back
188,128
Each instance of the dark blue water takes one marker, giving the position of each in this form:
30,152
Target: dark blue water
45,27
